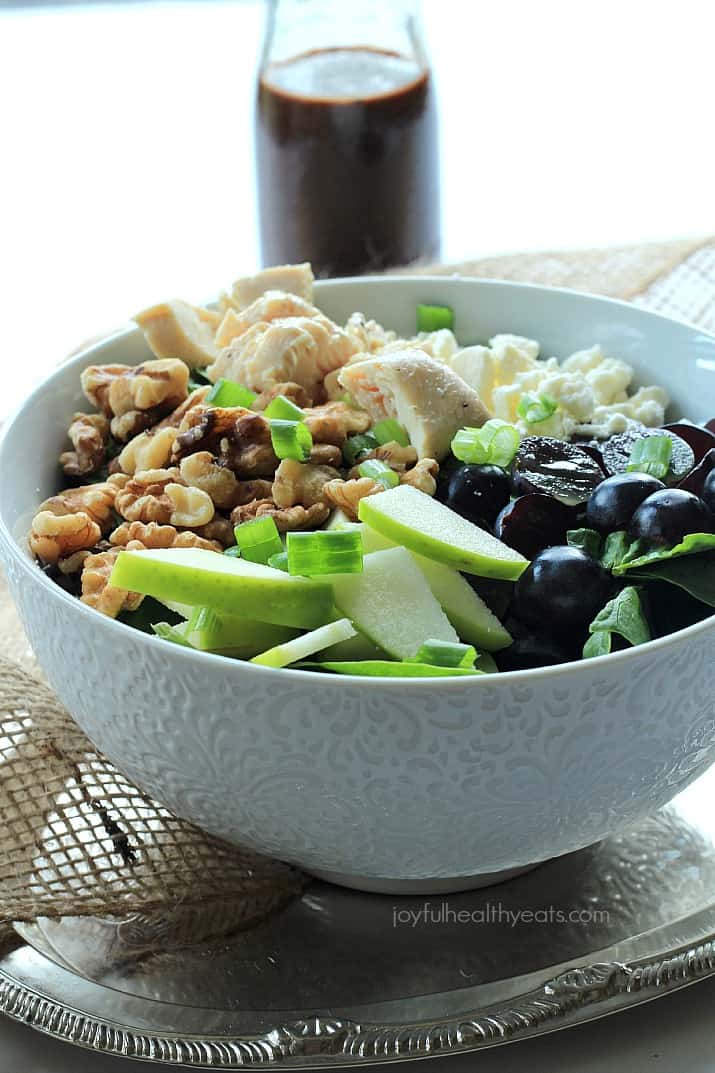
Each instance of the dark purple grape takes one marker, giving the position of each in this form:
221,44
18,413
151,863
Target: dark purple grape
534,522
695,481
708,494
617,452
563,588
478,493
699,439
614,502
447,470
666,517
557,469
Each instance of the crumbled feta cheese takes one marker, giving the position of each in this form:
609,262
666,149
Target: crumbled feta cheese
590,388
583,361
440,344
529,347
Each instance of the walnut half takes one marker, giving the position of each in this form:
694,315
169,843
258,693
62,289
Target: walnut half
301,482
346,495
153,535
94,500
287,519
97,591
88,434
160,495
54,536
120,389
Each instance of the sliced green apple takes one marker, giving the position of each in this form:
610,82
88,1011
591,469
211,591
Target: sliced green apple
423,525
391,603
470,616
235,586
307,644
467,612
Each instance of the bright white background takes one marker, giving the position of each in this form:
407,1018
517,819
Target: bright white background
126,176
126,146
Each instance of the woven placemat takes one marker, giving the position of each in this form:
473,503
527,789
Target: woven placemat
77,838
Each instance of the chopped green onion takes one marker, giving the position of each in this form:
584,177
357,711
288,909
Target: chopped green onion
445,654
496,442
282,409
291,439
258,540
234,552
170,633
327,551
383,668
434,318
390,431
536,408
379,471
355,446
228,393
282,655
279,561
651,454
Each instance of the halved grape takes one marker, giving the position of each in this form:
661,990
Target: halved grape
617,452
700,439
557,469
533,522
593,448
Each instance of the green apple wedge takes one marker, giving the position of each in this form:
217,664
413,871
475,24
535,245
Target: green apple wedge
423,525
391,603
472,619
237,587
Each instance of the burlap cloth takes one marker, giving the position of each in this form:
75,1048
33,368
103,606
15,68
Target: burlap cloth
76,838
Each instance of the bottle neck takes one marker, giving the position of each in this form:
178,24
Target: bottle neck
297,27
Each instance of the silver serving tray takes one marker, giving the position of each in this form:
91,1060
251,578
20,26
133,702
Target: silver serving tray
342,978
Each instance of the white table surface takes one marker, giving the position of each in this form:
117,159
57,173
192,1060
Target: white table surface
126,177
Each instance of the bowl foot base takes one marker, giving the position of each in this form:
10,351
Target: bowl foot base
380,885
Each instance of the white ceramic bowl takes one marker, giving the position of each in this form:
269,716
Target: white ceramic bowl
377,783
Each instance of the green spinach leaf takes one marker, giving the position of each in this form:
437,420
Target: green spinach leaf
689,545
587,540
694,573
625,616
615,549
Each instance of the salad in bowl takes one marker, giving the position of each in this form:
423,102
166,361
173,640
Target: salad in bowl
447,513
280,487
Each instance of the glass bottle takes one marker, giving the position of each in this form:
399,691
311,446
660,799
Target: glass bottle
346,137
